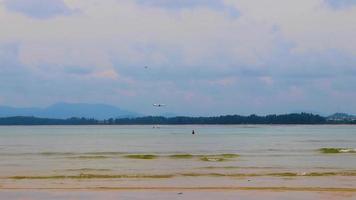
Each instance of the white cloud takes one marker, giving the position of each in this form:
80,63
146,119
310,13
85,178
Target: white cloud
133,34
112,40
121,30
309,24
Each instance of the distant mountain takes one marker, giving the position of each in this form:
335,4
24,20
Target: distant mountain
67,110
341,117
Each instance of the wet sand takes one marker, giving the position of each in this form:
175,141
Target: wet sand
250,188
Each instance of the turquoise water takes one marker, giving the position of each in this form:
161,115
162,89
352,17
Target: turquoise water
71,150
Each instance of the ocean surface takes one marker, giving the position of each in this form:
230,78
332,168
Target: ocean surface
145,156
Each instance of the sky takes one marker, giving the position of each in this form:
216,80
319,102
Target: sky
203,57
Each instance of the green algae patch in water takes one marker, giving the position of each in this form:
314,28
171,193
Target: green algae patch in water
288,174
101,176
144,157
337,150
329,150
322,174
56,153
218,157
37,177
229,155
104,153
187,174
181,156
343,173
89,157
213,159
88,169
92,176
203,174
220,167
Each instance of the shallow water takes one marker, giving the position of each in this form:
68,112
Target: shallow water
40,156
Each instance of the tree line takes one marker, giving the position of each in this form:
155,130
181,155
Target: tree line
294,118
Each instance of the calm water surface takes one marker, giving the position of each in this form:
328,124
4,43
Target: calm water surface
73,150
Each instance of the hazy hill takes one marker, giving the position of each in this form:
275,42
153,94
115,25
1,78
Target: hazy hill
67,110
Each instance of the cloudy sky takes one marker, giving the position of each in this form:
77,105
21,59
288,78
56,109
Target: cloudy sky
203,57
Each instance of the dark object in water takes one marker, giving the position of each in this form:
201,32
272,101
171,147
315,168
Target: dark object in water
193,132
180,193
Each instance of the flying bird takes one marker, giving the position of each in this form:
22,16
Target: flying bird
159,105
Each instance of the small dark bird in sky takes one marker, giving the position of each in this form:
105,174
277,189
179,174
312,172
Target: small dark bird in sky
158,105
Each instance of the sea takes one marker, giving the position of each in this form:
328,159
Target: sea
170,155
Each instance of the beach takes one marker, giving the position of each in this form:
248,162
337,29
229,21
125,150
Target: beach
142,162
